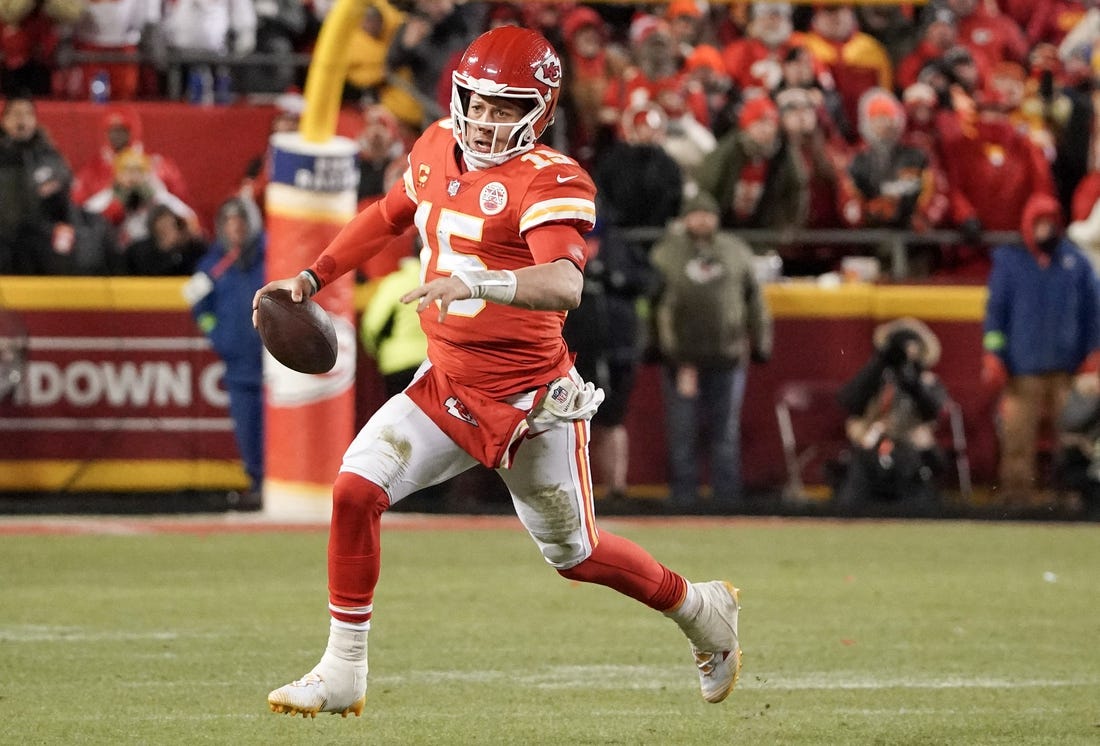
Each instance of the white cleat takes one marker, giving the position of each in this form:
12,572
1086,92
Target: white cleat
315,693
713,636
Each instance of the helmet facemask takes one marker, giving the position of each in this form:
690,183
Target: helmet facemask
523,135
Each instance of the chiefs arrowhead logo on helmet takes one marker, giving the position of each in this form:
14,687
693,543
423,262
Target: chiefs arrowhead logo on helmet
548,70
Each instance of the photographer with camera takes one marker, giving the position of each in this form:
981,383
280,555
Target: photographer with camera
894,402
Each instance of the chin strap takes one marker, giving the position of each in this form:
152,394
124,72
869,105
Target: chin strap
475,164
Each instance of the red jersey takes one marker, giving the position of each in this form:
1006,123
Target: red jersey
476,220
752,64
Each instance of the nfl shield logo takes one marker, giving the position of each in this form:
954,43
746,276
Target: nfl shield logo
560,394
452,188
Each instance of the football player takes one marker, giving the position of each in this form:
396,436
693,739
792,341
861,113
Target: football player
501,219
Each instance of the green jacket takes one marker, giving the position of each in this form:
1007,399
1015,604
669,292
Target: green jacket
711,311
784,202
390,330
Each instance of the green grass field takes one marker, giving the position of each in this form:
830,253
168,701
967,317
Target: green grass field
854,633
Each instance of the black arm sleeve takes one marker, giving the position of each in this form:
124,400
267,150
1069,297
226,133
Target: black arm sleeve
929,395
858,392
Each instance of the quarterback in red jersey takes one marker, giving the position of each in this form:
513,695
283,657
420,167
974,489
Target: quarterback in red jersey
501,219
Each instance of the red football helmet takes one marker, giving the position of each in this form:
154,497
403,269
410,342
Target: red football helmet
508,62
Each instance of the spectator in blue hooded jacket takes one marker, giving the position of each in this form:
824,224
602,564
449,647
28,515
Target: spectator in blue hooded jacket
1042,328
220,294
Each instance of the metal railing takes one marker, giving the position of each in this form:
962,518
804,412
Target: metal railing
174,62
892,243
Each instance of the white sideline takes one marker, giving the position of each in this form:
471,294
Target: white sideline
579,677
654,677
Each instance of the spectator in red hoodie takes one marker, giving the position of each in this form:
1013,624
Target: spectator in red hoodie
121,133
755,60
1044,20
993,170
988,34
654,77
939,36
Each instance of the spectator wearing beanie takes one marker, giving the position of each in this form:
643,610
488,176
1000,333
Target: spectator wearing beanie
592,63
685,22
890,181
757,182
711,321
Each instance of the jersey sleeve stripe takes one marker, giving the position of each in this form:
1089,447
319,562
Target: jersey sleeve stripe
409,188
552,210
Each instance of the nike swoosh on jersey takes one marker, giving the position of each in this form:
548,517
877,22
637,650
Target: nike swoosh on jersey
563,179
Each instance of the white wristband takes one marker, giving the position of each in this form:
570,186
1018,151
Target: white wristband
496,285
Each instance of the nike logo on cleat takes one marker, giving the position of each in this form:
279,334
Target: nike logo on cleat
563,179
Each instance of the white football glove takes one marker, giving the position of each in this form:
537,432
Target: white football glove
565,401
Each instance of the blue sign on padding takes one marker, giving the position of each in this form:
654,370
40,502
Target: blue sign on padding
318,173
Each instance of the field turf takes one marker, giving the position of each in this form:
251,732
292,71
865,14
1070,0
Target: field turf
141,631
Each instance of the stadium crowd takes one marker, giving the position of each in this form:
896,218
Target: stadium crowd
945,115
955,114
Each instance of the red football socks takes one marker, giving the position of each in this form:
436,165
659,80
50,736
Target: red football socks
354,546
354,557
624,566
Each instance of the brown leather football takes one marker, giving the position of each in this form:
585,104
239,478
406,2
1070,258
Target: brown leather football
299,335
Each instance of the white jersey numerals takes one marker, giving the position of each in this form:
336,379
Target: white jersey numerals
437,242
540,159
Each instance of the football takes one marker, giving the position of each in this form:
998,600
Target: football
299,335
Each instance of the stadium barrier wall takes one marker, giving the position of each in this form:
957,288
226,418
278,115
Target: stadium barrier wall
122,393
